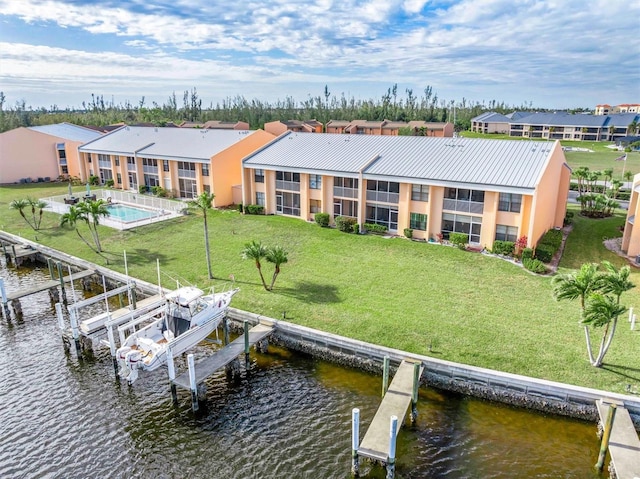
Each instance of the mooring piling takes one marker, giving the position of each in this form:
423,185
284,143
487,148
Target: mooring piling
193,385
393,433
246,343
414,392
171,370
60,317
225,328
112,350
604,445
385,375
355,441
75,331
3,299
50,263
61,277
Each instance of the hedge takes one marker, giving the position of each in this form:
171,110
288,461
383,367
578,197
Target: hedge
503,247
374,228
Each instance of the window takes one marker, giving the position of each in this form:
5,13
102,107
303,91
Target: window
418,221
62,154
506,233
258,175
260,198
315,206
288,203
205,170
117,161
382,215
89,158
345,208
131,163
188,188
471,225
420,192
65,169
287,180
186,169
460,199
384,191
315,182
345,187
165,165
510,202
119,178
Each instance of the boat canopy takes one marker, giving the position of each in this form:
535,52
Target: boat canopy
184,296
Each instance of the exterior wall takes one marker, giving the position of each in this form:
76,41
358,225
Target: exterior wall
275,127
551,195
226,167
631,236
447,131
26,153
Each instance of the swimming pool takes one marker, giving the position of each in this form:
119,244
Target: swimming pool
127,213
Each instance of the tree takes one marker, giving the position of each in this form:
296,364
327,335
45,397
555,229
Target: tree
72,218
20,205
204,203
256,252
608,176
578,285
93,211
276,255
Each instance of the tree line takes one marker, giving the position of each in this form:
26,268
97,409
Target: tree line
393,105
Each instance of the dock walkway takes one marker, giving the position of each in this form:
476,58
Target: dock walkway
47,285
396,402
624,445
224,356
97,323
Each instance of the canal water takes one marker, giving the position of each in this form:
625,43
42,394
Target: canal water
287,417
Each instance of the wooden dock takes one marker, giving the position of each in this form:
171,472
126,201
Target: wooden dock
47,285
396,402
221,358
624,445
90,326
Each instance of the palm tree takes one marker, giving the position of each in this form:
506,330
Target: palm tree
276,255
628,176
204,203
20,205
93,211
256,252
581,175
602,310
608,176
632,128
71,218
615,188
579,284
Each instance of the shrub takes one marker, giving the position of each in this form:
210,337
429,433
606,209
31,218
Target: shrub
503,247
544,253
254,209
408,232
568,218
159,191
322,219
374,228
345,223
534,265
109,183
552,238
94,180
459,239
142,189
527,253
240,208
355,227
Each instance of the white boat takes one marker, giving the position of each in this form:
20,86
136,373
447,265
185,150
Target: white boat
188,318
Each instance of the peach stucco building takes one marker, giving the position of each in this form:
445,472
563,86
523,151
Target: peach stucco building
41,152
489,189
631,236
390,128
183,161
279,127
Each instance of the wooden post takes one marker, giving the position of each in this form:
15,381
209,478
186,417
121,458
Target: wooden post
246,344
604,445
121,300
192,383
133,298
112,349
355,441
15,256
393,432
61,276
414,393
51,271
225,327
74,328
385,375
3,300
171,369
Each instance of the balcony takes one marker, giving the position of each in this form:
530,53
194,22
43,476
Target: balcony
287,185
463,206
383,197
339,191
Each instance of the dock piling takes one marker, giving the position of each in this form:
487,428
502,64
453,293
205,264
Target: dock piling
133,299
61,276
192,383
112,350
246,343
355,441
15,256
604,445
74,329
3,299
60,316
414,393
393,433
171,369
51,271
225,327
385,375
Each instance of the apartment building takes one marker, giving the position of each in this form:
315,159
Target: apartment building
279,127
42,152
183,161
605,109
631,235
489,189
390,128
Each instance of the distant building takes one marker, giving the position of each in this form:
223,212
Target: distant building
279,127
183,161
488,189
623,108
42,153
390,128
491,122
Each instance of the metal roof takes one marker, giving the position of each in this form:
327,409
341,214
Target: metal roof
491,116
68,131
562,119
499,163
145,142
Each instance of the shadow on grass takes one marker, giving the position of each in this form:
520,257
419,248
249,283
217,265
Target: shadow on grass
623,371
310,292
136,257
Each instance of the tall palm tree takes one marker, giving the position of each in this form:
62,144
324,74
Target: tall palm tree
581,175
20,205
256,252
608,176
93,211
276,255
575,285
204,203
628,176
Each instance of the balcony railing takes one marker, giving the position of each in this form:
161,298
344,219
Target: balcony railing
104,163
383,196
287,185
150,169
464,206
342,192
186,173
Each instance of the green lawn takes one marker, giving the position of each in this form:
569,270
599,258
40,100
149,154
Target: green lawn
408,295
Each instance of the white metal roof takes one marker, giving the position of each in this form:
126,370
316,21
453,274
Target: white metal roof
500,163
68,131
169,143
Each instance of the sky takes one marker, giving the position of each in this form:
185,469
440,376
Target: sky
545,53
